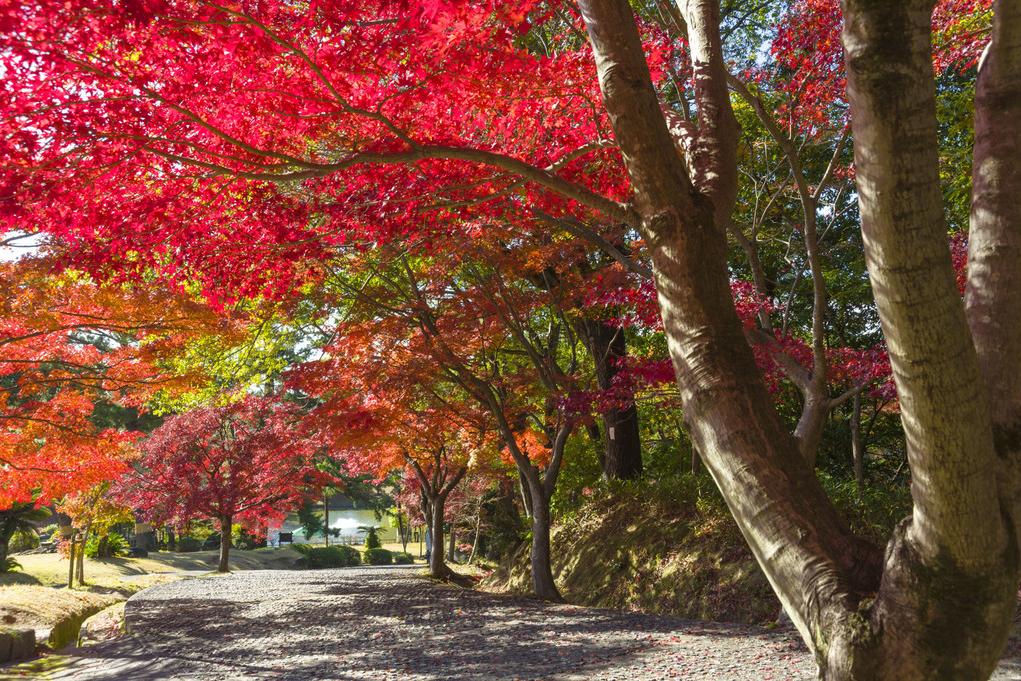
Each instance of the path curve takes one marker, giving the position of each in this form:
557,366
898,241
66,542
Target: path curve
389,624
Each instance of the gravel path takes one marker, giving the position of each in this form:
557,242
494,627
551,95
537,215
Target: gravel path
388,624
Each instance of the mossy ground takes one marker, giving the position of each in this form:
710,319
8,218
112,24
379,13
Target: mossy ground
670,552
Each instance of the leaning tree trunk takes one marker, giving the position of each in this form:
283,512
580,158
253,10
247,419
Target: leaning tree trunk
622,447
226,522
943,605
814,563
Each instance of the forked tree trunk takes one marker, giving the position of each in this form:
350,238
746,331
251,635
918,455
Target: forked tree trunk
225,525
940,607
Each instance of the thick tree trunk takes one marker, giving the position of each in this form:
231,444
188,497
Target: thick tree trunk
437,567
225,525
808,433
818,569
622,453
947,596
6,533
993,295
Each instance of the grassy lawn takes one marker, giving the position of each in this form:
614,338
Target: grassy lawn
49,569
36,596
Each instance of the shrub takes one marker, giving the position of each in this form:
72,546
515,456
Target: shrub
113,546
403,558
188,544
23,540
371,538
378,557
243,539
328,556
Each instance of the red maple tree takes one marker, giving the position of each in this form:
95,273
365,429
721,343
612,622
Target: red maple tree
247,462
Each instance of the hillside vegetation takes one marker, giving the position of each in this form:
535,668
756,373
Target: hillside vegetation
673,550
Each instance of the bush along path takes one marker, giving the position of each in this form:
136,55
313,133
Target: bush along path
389,623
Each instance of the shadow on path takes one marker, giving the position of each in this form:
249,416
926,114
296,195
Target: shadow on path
390,624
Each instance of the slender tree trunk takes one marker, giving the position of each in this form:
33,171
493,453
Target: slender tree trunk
80,559
542,571
478,531
225,525
80,562
622,455
401,529
326,518
451,544
437,567
71,562
526,494
857,455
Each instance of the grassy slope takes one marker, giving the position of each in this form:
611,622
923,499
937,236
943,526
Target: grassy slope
653,552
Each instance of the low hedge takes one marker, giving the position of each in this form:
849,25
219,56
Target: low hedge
328,556
403,559
378,557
